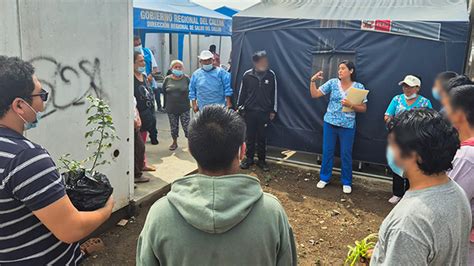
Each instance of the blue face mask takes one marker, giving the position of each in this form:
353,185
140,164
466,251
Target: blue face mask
207,67
436,94
391,162
177,73
141,69
34,124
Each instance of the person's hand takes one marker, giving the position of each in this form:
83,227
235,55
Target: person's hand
347,103
137,123
150,78
317,76
366,260
272,116
195,108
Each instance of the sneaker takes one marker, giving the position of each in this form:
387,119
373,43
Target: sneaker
321,184
154,142
246,163
394,199
263,165
347,189
173,147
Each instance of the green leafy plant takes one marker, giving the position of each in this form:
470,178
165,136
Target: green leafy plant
100,137
361,250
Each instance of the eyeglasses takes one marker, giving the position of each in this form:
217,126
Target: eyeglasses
43,95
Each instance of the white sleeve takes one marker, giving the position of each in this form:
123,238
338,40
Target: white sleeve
275,105
153,60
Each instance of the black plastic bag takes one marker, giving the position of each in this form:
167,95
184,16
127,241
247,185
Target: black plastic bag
87,193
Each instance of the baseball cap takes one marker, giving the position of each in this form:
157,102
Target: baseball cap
411,81
205,55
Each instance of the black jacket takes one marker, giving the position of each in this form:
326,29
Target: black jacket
258,93
145,103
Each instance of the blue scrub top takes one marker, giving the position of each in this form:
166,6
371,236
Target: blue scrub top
334,114
210,87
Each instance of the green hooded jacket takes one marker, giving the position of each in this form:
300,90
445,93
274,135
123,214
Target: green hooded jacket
225,220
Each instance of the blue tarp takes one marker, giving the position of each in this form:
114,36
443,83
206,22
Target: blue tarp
225,10
179,16
387,39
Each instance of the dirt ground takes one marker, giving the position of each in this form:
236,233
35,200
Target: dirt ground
324,221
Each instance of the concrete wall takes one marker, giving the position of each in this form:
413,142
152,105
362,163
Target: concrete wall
79,48
9,31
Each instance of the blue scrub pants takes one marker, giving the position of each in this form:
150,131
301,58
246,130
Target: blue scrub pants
345,136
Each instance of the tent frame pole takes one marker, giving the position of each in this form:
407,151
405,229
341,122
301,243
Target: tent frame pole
220,45
190,54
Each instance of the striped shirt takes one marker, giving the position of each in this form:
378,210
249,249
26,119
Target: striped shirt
29,181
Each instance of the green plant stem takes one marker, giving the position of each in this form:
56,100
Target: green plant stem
99,148
66,165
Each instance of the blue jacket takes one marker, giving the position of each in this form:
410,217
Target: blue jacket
210,87
147,54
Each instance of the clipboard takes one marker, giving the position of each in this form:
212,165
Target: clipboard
356,97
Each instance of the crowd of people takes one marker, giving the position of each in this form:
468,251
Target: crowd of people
430,153
208,85
221,216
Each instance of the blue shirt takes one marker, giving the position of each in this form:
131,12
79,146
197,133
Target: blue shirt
399,104
147,55
210,87
334,114
29,181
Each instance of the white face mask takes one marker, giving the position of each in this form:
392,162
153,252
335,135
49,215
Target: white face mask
411,97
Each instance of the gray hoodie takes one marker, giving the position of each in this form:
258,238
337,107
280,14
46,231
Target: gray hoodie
224,220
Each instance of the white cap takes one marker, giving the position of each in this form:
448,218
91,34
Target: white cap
411,81
174,62
205,55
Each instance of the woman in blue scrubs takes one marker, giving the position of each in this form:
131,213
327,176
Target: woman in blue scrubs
338,125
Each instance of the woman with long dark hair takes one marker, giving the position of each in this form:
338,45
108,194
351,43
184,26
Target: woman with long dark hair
146,109
338,125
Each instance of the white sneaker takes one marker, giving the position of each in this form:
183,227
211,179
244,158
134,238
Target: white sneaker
394,199
321,184
347,189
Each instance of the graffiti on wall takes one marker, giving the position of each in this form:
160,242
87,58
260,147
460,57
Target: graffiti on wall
68,85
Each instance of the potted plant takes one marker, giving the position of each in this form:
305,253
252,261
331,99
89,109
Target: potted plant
87,188
362,251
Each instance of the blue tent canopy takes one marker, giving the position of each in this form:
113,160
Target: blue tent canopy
228,11
179,16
